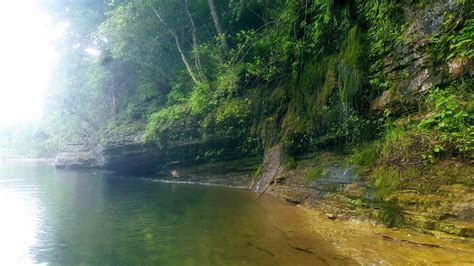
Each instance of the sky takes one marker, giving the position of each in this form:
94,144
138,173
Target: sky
26,58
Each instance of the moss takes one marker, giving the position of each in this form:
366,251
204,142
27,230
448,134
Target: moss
352,74
330,82
289,162
314,173
356,202
391,214
324,97
257,173
400,145
454,229
387,181
365,156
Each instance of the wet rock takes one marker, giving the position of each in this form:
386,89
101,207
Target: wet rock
382,102
280,179
457,67
354,190
294,201
459,228
464,210
234,173
130,157
331,216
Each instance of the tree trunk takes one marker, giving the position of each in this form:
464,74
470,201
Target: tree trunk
197,58
217,24
180,50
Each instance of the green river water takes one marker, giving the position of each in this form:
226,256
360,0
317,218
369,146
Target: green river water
59,217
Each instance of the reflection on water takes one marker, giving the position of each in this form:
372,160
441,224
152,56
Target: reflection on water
84,217
18,224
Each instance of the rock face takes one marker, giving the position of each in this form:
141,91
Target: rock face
410,67
123,157
271,168
445,208
232,173
130,157
76,156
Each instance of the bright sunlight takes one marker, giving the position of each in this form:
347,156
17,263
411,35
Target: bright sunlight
26,59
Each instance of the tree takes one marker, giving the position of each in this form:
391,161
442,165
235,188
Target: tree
215,18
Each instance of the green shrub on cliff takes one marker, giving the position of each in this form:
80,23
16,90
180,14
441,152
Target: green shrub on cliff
451,115
454,42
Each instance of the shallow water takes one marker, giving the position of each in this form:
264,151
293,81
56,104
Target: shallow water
62,217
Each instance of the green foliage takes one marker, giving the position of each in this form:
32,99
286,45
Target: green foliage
166,120
454,43
324,103
230,118
178,94
384,20
289,162
397,144
451,114
202,98
298,72
145,99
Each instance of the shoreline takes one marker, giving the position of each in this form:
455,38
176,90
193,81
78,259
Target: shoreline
207,184
371,243
365,241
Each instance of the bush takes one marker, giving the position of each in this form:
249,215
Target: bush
451,115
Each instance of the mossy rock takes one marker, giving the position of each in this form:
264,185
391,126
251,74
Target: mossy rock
465,229
391,214
419,221
314,173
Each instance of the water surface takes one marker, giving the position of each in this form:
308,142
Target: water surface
63,217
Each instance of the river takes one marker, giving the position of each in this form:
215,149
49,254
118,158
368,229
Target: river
90,218
61,217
